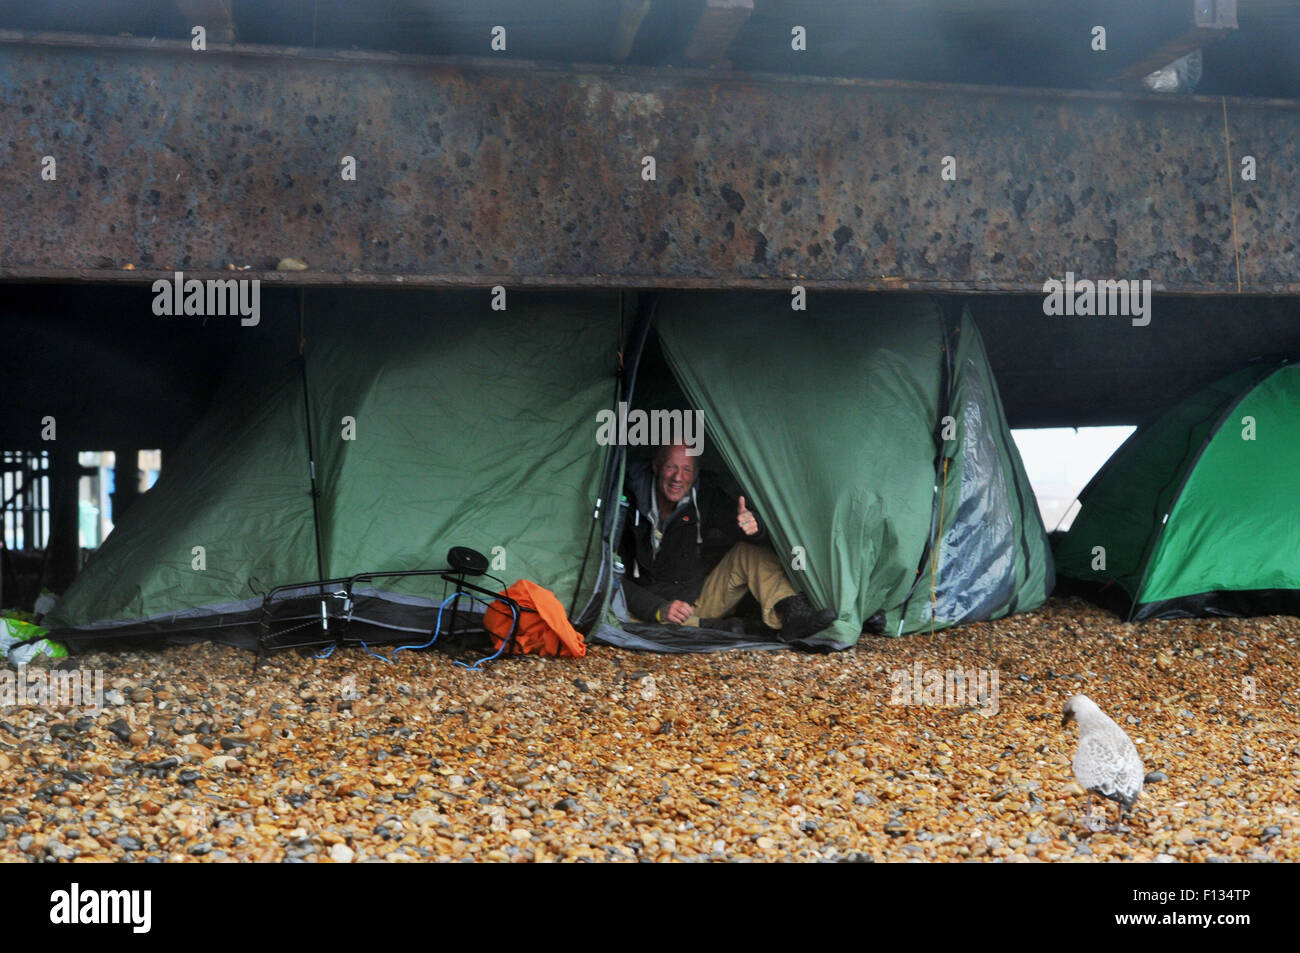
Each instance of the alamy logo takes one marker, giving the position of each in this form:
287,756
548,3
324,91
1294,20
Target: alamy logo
216,296
52,688
654,428
103,906
1122,296
945,687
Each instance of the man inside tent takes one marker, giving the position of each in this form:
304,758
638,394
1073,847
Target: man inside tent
671,578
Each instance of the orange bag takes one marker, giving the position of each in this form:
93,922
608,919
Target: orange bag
544,632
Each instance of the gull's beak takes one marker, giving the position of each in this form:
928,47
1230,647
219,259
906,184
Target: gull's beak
1067,717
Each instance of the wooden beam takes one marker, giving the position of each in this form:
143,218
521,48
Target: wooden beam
1210,20
126,480
719,22
630,15
64,542
213,15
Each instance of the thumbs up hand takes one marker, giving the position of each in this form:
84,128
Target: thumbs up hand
745,520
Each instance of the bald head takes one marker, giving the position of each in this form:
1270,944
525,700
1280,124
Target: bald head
670,449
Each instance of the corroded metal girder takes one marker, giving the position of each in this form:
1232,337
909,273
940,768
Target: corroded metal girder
475,172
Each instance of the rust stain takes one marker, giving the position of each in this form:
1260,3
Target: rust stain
468,171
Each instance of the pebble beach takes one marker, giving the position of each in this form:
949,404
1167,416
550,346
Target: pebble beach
869,755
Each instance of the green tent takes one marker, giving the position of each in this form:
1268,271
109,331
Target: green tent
868,431
1195,514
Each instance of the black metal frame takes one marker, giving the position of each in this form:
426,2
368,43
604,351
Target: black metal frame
30,498
348,584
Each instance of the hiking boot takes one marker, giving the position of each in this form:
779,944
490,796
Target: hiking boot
729,624
799,619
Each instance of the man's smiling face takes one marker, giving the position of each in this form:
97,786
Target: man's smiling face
674,475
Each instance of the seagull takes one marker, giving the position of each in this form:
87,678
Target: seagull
1107,762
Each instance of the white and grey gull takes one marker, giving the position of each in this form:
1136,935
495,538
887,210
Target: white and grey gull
1107,762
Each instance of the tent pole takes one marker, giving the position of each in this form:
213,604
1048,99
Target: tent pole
615,464
311,450
945,407
604,489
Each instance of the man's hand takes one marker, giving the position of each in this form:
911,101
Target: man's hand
746,520
677,612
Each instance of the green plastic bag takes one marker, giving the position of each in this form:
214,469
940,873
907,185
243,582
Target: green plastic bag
23,641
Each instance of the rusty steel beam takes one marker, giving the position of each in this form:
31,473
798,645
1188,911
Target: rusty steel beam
472,173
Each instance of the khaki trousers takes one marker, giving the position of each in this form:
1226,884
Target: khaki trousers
747,567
